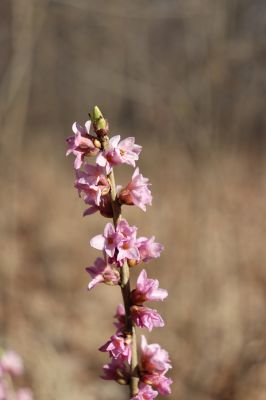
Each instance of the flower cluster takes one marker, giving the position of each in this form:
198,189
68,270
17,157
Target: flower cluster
121,249
11,366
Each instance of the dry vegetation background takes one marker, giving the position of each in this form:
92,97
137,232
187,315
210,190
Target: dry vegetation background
187,78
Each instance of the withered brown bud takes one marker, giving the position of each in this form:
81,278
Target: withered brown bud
132,263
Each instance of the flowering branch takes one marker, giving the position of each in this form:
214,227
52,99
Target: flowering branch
121,249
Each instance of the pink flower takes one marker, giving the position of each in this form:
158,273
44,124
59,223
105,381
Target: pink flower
115,371
160,382
101,272
125,152
137,191
148,249
118,348
24,394
127,245
11,363
92,183
108,241
81,143
145,393
154,359
119,242
147,289
145,317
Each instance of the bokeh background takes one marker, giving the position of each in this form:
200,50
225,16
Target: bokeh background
187,78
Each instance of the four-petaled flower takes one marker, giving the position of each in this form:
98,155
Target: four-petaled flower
124,152
101,272
147,289
160,382
153,359
118,347
108,241
81,144
148,249
92,183
145,317
136,192
145,393
119,242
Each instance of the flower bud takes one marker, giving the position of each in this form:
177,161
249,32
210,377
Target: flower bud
100,124
132,263
97,143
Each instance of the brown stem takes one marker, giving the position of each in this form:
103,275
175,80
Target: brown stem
125,286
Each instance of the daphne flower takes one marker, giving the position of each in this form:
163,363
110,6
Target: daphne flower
115,371
122,239
160,382
108,241
145,393
81,144
92,183
154,359
125,152
118,348
127,245
101,272
147,289
137,191
148,249
145,317
11,363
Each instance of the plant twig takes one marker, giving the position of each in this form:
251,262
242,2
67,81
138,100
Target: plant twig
125,286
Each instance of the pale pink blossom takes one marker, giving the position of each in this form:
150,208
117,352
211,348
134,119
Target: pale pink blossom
115,370
92,183
118,348
145,317
160,382
153,358
119,242
147,289
101,272
119,152
127,245
81,143
11,363
24,394
108,241
137,192
145,393
148,249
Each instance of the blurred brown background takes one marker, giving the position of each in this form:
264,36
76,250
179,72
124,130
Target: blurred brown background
187,78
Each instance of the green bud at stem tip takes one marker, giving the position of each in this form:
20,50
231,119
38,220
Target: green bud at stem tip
97,118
